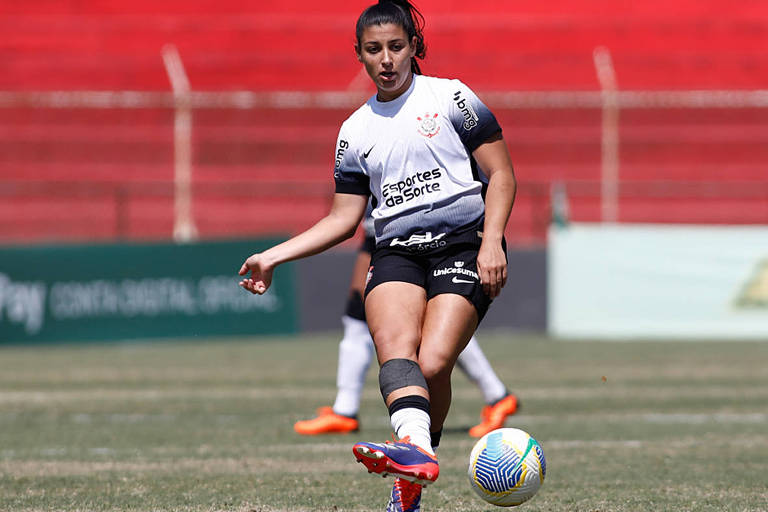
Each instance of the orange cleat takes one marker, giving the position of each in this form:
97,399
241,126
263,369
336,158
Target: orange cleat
326,422
494,415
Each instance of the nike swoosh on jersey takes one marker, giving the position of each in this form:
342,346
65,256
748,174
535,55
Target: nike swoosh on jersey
365,155
457,280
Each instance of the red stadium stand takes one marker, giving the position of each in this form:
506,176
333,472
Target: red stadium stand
267,170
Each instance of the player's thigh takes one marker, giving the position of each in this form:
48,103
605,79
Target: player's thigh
395,312
449,322
455,272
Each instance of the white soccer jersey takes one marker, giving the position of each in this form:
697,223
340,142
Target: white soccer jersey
413,155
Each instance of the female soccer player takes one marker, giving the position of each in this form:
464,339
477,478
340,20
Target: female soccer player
432,157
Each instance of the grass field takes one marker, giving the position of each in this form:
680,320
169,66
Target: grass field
206,425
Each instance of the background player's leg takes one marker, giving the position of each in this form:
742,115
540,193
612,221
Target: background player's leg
475,365
356,347
355,355
500,403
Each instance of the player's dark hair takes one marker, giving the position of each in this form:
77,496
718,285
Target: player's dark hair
397,12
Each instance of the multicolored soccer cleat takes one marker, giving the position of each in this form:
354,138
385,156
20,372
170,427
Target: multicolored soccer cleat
406,497
493,416
399,458
326,422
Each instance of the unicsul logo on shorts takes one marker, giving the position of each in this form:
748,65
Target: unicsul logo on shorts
457,269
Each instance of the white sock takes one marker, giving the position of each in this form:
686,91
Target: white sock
475,365
355,355
414,423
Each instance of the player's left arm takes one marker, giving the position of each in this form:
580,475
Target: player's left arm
493,158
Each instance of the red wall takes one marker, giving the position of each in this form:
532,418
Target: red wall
494,45
267,170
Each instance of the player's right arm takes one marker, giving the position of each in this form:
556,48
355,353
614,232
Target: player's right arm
341,222
347,209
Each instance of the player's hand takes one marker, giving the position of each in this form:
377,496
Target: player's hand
261,274
492,267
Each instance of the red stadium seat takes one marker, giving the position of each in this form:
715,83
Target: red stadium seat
305,46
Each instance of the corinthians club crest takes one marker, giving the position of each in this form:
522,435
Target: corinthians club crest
428,125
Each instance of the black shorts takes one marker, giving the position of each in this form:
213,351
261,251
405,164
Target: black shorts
355,307
451,270
368,245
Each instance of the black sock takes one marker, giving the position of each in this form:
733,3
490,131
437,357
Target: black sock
435,438
415,401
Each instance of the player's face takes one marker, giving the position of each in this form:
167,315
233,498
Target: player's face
386,54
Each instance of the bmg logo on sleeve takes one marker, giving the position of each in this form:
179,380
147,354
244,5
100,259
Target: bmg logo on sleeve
343,146
470,117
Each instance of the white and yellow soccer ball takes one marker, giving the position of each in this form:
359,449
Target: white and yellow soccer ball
507,467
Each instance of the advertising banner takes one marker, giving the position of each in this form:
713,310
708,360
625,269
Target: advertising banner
658,281
131,291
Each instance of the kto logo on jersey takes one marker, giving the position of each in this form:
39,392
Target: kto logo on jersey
470,117
428,125
417,243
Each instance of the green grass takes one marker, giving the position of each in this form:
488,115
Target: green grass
206,426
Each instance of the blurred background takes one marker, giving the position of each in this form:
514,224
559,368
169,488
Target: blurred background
131,130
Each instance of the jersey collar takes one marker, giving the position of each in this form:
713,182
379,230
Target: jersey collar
395,104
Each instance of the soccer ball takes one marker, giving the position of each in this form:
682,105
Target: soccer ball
506,467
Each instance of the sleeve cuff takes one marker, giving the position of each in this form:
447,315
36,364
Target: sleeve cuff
359,189
482,136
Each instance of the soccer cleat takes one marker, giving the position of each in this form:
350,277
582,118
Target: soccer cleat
493,416
326,422
406,497
398,458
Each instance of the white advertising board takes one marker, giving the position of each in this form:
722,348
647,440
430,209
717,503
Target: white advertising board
624,281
